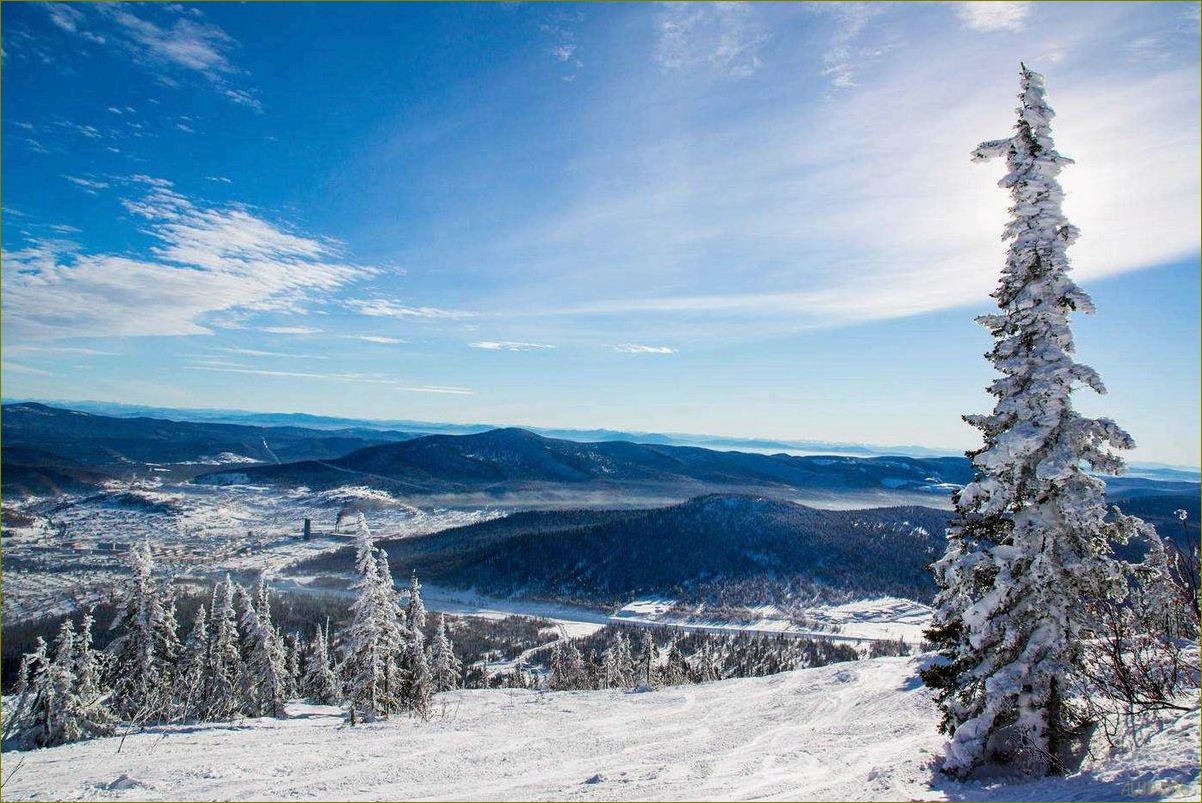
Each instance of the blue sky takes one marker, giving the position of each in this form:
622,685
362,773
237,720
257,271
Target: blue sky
730,219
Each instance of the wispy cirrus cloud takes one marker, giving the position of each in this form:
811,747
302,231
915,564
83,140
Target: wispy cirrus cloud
80,350
170,40
916,225
346,377
726,37
8,366
990,17
388,308
88,185
845,58
381,339
204,259
638,348
69,18
289,330
509,345
274,354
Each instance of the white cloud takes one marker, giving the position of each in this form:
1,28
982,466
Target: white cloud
260,353
993,16
289,330
635,348
183,42
509,345
168,39
386,308
205,260
71,19
450,391
63,350
17,368
791,219
725,36
88,185
348,378
844,60
382,339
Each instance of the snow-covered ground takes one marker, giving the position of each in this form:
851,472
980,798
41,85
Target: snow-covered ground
73,553
881,619
885,618
854,731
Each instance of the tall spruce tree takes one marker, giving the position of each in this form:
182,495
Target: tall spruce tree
320,683
415,610
145,649
444,666
88,661
676,668
1030,540
647,665
394,636
222,699
196,671
266,664
419,681
363,654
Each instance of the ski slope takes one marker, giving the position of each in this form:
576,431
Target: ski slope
855,731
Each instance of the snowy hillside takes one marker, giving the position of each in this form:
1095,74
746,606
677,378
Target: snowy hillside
852,731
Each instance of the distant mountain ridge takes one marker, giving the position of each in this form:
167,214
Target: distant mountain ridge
308,420
48,450
1158,471
517,459
46,447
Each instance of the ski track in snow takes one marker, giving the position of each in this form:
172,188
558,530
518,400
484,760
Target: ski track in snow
863,730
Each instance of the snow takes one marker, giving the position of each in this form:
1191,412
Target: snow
885,618
862,730
198,531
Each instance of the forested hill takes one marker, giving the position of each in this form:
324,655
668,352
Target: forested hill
732,548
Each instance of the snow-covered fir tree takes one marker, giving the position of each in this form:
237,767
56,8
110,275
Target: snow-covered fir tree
194,675
362,654
294,658
222,700
646,668
624,659
89,662
611,675
444,666
415,610
146,647
419,681
25,721
578,669
62,705
266,664
676,668
394,636
557,674
49,709
1030,541
320,683
248,623
705,663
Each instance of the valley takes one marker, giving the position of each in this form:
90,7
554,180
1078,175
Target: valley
581,533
